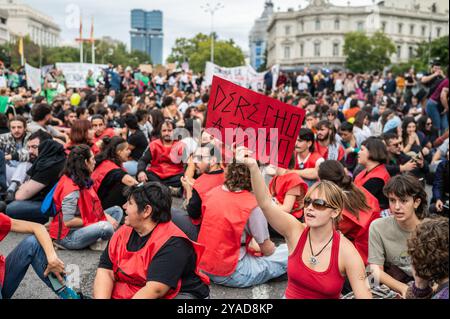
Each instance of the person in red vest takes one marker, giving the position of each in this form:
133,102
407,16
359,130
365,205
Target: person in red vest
149,257
81,133
319,256
288,190
326,144
165,158
109,176
239,252
207,160
35,250
80,221
361,208
100,129
373,156
307,159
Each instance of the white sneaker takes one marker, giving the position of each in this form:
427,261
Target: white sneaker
100,245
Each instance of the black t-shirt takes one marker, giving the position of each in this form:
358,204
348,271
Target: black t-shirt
111,189
140,144
375,187
49,178
175,260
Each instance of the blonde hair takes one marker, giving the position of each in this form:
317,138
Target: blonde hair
331,193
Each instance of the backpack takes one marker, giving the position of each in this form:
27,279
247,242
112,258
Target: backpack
48,207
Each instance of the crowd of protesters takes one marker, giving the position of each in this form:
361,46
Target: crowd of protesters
93,168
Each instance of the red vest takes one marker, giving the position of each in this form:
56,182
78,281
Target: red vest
224,219
5,223
108,132
101,171
130,268
323,151
162,164
89,205
357,229
280,185
204,184
310,163
378,172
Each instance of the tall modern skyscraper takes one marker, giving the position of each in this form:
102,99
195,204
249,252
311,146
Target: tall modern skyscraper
258,36
147,33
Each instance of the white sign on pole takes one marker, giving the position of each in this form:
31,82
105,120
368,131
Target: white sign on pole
33,77
244,76
76,73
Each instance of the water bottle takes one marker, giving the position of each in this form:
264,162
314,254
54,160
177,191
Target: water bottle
62,291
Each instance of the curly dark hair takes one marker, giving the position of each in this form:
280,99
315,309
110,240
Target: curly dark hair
111,145
428,249
76,167
238,177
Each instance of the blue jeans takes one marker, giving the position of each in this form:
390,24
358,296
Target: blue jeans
84,237
440,121
252,271
28,252
131,167
2,171
26,210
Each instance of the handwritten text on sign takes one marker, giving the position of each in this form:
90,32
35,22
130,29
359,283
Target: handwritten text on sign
266,126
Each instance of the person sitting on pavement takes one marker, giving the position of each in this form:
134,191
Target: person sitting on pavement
388,251
48,158
161,155
149,257
82,133
80,220
36,250
428,249
361,208
239,252
318,272
110,178
326,144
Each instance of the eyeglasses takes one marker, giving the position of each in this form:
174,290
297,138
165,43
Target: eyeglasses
429,123
318,204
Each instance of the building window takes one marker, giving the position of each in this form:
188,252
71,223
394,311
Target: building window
438,32
316,49
383,26
424,31
287,30
399,51
287,52
411,29
360,26
337,24
317,25
411,53
335,49
302,50
400,28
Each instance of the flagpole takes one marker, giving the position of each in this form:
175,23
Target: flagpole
81,40
93,41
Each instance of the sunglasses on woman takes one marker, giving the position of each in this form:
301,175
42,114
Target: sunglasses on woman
318,204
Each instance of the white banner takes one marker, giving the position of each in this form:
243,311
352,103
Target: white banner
3,82
244,76
76,73
275,72
33,77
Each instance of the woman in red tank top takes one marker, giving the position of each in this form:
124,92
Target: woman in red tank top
319,257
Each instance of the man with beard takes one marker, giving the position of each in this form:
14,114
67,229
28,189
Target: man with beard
207,161
48,158
165,158
16,156
327,145
41,117
100,129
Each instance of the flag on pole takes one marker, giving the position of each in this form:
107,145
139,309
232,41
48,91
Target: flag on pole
92,30
81,27
21,50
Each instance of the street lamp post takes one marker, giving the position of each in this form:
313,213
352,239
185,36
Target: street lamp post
211,9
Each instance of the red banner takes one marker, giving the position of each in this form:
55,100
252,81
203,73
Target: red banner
266,126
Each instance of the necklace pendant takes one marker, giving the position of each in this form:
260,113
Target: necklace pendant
313,261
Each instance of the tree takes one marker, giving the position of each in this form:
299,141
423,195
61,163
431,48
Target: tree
367,53
197,51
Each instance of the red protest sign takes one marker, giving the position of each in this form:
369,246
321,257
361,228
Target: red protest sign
266,126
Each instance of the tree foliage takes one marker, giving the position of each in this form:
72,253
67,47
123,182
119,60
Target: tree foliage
366,53
197,51
105,52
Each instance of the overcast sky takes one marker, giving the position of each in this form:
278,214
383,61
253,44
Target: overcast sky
182,18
